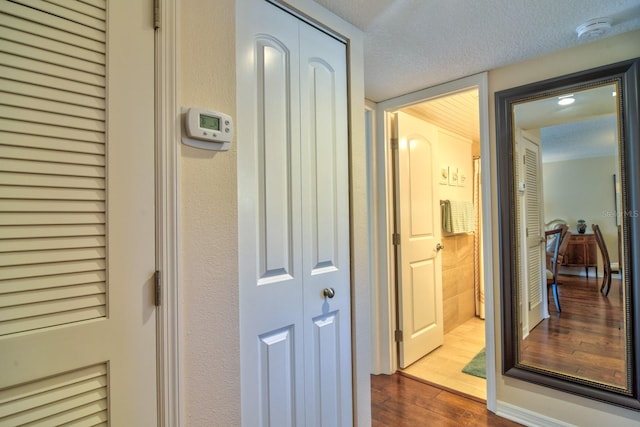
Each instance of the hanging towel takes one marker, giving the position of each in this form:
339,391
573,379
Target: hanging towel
458,217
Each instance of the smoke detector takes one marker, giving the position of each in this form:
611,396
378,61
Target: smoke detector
593,28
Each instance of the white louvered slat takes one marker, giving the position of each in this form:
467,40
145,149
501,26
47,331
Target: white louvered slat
51,218
42,399
52,45
50,256
15,126
34,309
16,272
70,13
94,9
30,90
35,231
66,242
40,193
10,205
31,27
64,169
51,69
47,320
46,283
60,293
65,90
25,102
35,116
37,54
32,180
33,13
51,156
58,144
62,399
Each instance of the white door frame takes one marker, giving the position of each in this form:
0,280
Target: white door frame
168,319
384,304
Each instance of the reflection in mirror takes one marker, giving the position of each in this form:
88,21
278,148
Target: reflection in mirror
568,157
567,154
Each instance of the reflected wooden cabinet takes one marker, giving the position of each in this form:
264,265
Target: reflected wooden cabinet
582,251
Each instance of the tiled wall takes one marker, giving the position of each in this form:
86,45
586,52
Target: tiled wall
457,280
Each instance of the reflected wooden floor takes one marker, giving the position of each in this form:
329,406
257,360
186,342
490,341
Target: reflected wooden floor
399,401
587,338
443,366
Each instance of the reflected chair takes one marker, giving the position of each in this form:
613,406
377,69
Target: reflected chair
606,261
558,240
552,238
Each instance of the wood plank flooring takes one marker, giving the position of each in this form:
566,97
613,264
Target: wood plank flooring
443,366
398,401
587,338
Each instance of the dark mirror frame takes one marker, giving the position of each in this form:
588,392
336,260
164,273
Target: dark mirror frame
627,74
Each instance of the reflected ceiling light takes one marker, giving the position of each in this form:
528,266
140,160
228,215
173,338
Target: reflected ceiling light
593,28
613,93
566,99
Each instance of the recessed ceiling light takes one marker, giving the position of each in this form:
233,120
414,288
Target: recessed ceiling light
594,28
566,99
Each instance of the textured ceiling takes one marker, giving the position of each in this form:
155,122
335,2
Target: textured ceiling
414,44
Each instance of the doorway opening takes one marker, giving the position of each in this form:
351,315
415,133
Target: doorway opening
453,123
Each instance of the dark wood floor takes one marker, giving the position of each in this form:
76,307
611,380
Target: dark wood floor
586,339
398,400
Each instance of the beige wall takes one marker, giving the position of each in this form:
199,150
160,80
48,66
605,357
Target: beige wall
512,392
209,222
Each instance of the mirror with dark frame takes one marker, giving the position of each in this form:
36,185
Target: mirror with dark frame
568,152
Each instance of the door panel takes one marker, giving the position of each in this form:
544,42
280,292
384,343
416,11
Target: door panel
294,224
325,227
78,225
418,263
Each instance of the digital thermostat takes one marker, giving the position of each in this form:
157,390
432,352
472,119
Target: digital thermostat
209,130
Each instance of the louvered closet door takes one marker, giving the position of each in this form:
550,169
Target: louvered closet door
77,244
534,232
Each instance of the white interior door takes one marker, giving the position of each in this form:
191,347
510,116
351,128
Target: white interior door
419,266
532,231
293,223
77,258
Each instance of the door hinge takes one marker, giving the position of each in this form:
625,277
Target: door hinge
394,143
158,288
399,336
396,239
156,14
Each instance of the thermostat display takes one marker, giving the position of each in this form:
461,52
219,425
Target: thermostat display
209,130
209,122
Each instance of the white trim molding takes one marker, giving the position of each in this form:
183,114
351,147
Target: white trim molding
168,317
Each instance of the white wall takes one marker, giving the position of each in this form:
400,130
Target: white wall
583,189
513,393
454,151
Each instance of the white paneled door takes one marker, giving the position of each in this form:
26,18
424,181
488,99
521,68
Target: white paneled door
294,223
77,214
419,264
